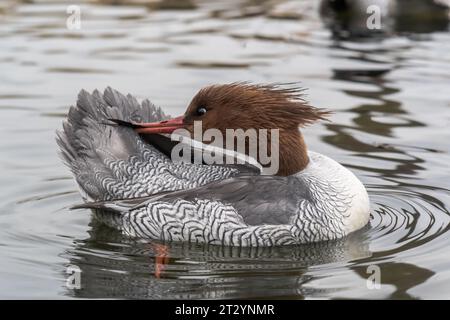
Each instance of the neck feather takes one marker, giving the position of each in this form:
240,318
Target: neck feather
293,152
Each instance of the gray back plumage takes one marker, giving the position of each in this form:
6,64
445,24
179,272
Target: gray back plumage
258,199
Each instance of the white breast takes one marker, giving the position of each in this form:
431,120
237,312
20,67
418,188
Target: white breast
332,173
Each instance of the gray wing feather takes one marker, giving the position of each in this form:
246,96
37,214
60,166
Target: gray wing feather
88,146
258,199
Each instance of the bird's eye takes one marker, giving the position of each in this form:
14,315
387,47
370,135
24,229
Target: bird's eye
201,111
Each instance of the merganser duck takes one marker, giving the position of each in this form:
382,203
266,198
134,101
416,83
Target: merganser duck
119,153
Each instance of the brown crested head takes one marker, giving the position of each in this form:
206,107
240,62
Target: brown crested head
246,106
243,105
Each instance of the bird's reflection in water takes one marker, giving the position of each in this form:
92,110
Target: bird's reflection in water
401,276
113,266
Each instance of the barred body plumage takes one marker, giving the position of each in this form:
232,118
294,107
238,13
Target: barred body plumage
322,217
